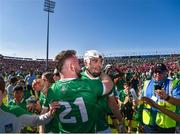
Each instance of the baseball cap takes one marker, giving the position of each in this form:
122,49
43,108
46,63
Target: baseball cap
93,54
160,67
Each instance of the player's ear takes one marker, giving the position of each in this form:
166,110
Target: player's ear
72,67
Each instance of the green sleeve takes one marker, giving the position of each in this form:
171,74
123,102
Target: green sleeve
97,86
42,98
16,110
46,101
50,97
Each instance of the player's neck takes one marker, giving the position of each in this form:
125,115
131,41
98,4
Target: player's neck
89,75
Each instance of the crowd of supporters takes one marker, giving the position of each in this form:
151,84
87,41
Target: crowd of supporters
140,64
127,73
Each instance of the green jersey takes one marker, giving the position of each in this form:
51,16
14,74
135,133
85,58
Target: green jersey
16,110
120,84
53,125
22,103
102,108
77,100
122,95
42,98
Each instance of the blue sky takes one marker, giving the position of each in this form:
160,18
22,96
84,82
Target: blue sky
114,27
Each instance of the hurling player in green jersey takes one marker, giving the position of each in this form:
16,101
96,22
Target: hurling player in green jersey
93,61
44,85
77,97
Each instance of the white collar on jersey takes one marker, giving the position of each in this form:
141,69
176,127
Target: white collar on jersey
67,79
92,78
19,102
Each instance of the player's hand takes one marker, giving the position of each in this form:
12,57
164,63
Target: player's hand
53,106
38,84
31,107
161,93
149,101
38,106
127,99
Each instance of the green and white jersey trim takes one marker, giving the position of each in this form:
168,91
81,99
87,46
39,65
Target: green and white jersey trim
92,78
104,89
19,102
97,78
67,79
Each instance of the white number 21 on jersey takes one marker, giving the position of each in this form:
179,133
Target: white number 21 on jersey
80,103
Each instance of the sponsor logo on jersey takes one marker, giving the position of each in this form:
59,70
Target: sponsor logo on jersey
63,90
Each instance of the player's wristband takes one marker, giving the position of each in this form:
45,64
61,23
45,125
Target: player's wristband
167,98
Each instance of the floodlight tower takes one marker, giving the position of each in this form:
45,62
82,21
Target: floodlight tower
49,6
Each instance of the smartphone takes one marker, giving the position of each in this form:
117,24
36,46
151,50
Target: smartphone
157,87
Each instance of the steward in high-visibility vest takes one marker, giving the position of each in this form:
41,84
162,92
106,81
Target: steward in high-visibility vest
154,120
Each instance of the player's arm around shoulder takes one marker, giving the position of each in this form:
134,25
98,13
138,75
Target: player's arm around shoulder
33,120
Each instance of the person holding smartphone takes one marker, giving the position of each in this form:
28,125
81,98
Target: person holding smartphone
154,120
